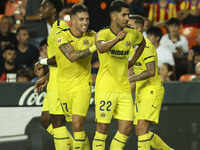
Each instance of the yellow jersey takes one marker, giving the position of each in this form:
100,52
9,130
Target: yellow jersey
112,75
51,51
77,75
149,55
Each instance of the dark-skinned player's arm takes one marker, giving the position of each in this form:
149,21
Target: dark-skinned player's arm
72,55
41,83
148,73
104,46
137,54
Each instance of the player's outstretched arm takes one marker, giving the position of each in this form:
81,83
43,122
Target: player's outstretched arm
72,55
137,54
41,83
104,46
149,72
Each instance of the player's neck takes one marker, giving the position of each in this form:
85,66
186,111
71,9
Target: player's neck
53,19
193,1
156,45
115,28
8,66
173,37
75,32
163,3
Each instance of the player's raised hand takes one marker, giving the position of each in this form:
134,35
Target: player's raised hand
121,35
41,83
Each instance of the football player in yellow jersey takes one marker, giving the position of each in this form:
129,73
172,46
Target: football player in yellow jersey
74,78
112,90
52,113
149,92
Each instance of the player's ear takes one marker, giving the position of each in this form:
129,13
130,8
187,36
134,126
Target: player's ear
53,10
113,16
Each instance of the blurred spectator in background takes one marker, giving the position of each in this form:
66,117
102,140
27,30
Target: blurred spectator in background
40,72
6,36
135,6
22,75
99,13
68,6
43,49
18,16
21,10
154,34
173,41
146,25
197,73
33,22
8,71
166,72
161,11
194,54
2,6
27,53
189,13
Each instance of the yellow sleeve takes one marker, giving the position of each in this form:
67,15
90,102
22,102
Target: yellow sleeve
102,36
138,37
149,52
182,6
61,38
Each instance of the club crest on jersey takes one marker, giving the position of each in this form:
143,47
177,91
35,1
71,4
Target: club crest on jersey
85,42
60,40
102,115
128,44
67,115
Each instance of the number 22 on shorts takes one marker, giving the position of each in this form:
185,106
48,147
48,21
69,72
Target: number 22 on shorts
103,103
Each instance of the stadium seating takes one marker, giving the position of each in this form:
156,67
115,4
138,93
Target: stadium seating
187,77
1,15
189,33
67,19
10,8
164,30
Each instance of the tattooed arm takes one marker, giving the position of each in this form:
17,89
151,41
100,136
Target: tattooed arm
150,72
72,55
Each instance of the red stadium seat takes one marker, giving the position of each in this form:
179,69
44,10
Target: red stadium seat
67,19
1,15
164,30
187,77
10,8
190,34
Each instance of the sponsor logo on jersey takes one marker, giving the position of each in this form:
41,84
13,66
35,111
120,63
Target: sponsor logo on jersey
128,44
102,115
118,52
85,42
60,40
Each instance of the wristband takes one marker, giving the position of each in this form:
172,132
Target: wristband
93,48
43,61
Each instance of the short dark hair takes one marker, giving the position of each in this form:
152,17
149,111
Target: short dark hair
22,73
44,42
78,8
117,5
58,4
155,31
174,21
20,28
10,47
138,19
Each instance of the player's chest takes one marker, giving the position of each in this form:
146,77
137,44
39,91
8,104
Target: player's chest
81,43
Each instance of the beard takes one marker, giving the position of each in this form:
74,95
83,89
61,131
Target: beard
10,62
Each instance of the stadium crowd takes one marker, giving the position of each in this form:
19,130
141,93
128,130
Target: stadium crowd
149,42
172,26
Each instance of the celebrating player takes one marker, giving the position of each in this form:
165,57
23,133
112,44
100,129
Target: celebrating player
76,45
149,92
113,95
50,11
